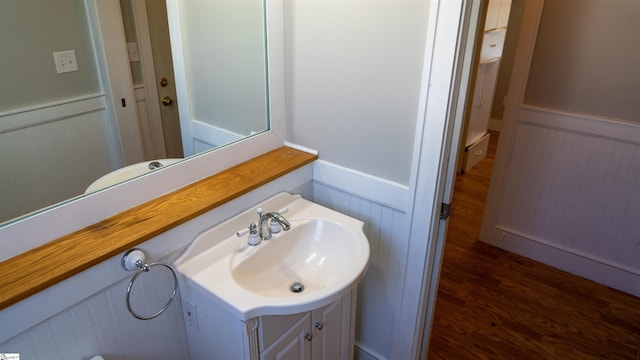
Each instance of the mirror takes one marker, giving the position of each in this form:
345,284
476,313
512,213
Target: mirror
58,131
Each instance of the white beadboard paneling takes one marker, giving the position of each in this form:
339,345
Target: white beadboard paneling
89,342
573,188
101,325
379,294
64,333
23,345
577,191
45,345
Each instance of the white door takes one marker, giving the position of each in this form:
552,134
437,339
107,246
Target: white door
111,49
524,53
330,327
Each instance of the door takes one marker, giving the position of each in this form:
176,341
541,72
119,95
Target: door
164,80
524,53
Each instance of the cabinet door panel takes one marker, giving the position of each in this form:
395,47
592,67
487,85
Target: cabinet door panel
273,326
292,345
330,325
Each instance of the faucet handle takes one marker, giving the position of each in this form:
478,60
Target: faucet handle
253,238
251,229
283,211
274,227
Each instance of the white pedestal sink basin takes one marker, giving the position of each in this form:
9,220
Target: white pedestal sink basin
313,253
325,251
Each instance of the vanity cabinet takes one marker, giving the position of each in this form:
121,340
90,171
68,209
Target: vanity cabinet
291,297
326,332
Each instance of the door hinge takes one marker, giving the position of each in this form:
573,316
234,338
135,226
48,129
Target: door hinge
445,210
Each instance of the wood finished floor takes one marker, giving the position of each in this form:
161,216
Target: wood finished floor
492,304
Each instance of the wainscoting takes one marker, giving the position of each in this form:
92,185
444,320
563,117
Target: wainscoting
102,325
53,141
207,136
382,207
571,198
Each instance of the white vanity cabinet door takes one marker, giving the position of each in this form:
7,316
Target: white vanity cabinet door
293,344
331,330
323,333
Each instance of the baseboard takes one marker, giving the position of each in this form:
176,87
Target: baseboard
577,264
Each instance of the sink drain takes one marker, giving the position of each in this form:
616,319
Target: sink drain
296,287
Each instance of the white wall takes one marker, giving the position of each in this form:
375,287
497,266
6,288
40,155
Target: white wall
30,31
354,70
224,44
586,58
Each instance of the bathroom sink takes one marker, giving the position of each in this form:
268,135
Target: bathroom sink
314,253
322,257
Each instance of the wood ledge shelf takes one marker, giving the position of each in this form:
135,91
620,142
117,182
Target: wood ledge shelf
39,268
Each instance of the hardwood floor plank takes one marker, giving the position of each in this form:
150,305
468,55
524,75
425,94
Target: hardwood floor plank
493,304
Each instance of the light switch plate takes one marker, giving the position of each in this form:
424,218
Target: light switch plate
65,61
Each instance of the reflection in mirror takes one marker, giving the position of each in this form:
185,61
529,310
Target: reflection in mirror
59,125
224,43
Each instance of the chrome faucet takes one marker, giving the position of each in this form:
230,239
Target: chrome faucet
271,223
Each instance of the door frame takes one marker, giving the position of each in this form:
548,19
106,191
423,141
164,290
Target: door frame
447,71
527,37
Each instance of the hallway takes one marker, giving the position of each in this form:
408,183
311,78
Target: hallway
492,304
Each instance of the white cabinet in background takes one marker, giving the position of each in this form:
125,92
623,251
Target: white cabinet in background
323,333
477,123
497,14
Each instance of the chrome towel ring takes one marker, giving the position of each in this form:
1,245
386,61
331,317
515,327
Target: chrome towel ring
134,260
